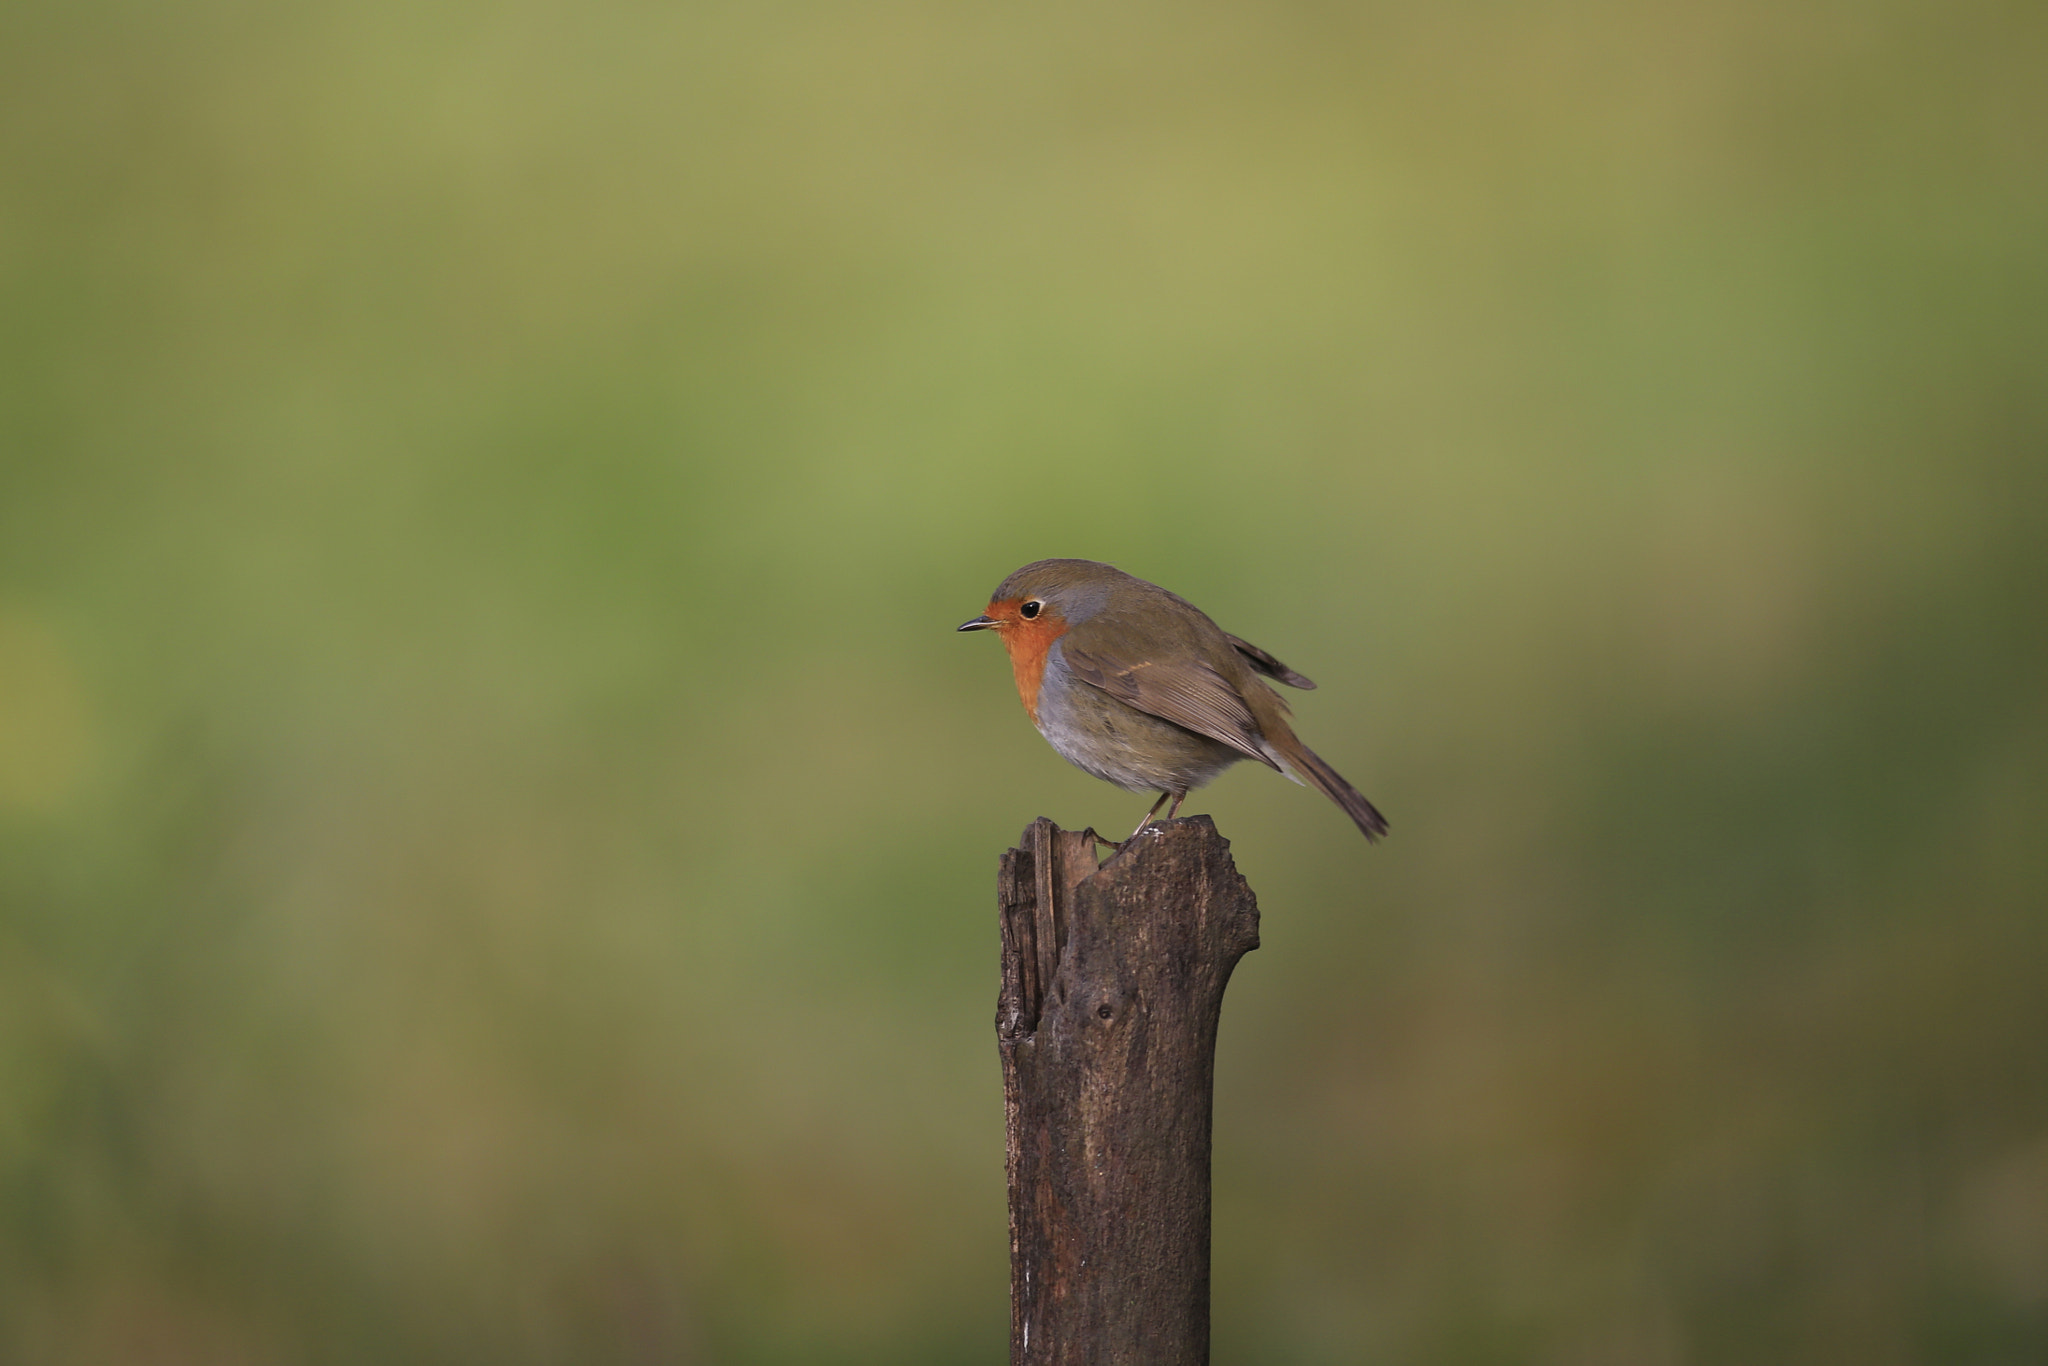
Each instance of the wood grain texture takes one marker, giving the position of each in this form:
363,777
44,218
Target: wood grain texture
1112,987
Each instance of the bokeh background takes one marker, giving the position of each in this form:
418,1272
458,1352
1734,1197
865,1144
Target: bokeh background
498,834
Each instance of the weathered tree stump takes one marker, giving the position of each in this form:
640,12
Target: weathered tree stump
1112,986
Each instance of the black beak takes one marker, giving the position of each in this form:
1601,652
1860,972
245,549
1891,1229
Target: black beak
978,624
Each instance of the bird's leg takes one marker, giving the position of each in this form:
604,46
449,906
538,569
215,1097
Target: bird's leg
1173,810
1119,848
1155,811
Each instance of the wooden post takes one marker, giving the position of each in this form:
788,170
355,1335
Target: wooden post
1112,984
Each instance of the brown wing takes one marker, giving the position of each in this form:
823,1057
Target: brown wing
1267,665
1191,695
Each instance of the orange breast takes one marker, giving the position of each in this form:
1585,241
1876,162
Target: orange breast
1027,642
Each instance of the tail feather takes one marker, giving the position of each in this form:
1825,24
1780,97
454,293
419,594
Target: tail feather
1331,784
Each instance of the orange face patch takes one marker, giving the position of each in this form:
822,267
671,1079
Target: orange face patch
1027,642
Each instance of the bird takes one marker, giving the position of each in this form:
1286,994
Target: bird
1137,686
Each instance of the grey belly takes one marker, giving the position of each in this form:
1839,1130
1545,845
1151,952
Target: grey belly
1120,744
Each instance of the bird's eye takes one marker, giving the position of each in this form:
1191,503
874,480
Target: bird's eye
1030,609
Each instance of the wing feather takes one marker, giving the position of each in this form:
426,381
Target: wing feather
1267,665
1192,695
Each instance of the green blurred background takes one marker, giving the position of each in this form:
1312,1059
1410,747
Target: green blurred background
498,834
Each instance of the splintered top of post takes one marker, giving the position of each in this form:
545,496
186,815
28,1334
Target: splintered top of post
1174,881
1169,851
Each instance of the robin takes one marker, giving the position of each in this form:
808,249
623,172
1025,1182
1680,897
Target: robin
1137,686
